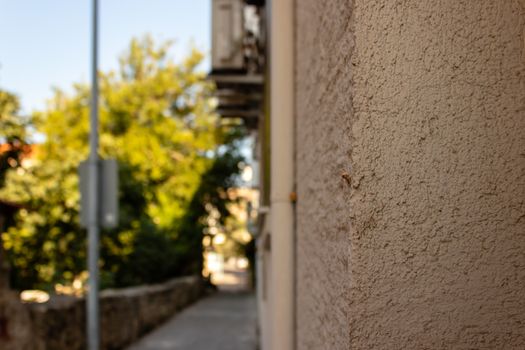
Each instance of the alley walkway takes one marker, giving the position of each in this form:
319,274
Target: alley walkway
222,321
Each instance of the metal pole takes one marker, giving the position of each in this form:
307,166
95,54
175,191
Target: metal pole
92,305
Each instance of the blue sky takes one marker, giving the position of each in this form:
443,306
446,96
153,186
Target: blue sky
46,43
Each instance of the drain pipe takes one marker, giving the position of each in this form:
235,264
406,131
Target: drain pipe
282,174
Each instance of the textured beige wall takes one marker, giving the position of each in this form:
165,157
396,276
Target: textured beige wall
323,142
423,104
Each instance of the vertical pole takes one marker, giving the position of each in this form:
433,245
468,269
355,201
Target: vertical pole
282,280
92,305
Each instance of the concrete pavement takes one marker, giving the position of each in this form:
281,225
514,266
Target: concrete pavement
222,321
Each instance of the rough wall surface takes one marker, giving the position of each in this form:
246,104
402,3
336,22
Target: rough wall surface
426,248
323,109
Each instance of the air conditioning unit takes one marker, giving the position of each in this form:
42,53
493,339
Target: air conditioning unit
227,35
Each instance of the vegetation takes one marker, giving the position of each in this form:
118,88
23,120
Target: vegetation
174,156
12,134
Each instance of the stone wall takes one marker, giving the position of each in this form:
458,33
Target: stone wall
410,174
14,320
126,314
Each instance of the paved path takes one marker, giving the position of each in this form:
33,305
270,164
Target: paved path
223,321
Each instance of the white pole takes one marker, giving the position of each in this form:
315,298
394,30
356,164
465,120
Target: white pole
92,305
282,175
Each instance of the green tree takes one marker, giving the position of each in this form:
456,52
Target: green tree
157,119
12,133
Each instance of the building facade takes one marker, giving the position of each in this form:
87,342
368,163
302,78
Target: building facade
410,174
393,213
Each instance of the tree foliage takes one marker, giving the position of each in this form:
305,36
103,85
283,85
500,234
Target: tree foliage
12,133
157,120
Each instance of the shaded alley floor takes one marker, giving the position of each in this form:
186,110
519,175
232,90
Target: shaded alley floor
226,320
222,321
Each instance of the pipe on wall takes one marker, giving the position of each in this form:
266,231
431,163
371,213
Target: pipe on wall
282,175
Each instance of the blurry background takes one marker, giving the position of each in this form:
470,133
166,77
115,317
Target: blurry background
47,43
184,176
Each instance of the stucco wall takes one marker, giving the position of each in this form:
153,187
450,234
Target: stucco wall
323,122
422,103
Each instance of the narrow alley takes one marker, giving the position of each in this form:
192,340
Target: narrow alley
226,320
223,321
